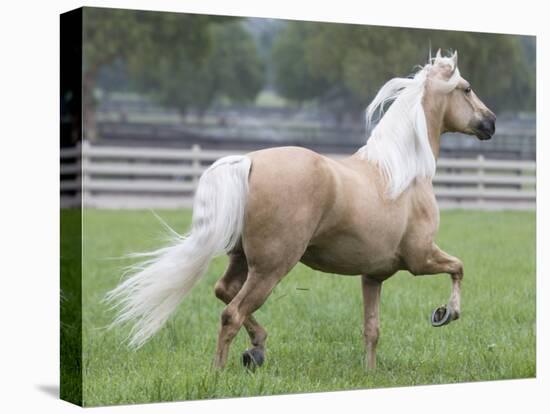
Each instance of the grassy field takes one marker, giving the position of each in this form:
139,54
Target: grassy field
314,320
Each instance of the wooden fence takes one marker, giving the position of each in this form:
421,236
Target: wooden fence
126,177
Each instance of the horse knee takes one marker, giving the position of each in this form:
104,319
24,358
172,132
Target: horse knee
458,271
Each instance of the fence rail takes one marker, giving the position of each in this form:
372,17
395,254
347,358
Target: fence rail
124,177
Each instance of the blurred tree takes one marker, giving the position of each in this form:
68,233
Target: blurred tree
294,77
264,32
342,66
236,67
108,34
139,39
232,68
496,65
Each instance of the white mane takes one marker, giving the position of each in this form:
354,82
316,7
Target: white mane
399,143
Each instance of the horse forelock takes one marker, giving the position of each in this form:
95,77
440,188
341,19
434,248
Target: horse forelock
443,73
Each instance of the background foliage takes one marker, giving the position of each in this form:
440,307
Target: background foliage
350,62
191,62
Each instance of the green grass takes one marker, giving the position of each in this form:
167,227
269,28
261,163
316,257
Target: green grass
315,339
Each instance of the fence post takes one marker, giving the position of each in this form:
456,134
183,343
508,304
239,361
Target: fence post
480,182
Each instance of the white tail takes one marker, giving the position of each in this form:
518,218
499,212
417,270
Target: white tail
157,286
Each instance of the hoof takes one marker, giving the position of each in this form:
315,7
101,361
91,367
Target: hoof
253,357
441,316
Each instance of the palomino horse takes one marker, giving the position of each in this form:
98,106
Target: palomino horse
371,214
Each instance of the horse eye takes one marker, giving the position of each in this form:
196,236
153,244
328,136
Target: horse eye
468,90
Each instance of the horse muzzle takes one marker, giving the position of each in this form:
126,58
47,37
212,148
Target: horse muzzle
485,129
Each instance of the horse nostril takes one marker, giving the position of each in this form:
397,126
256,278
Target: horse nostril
492,126
488,125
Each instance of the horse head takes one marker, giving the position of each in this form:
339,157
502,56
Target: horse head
463,111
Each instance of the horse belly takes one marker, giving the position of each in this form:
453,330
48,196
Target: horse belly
351,257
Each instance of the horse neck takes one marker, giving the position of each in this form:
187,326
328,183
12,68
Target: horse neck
434,110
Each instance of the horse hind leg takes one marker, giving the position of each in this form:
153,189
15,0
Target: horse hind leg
252,295
226,289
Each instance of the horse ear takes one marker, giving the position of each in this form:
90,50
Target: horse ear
455,60
438,54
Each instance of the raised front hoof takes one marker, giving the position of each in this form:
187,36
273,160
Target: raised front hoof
253,357
441,316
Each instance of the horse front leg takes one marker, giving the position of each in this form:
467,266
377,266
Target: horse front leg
437,261
371,303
